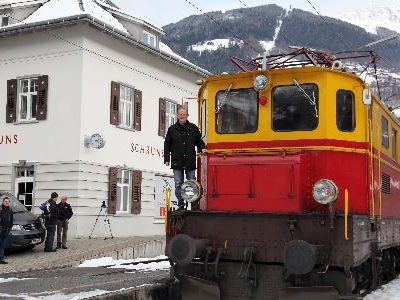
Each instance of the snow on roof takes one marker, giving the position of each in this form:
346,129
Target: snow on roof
6,2
137,19
16,3
59,9
55,9
168,50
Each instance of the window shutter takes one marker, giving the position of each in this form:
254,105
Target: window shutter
138,110
112,196
161,117
114,103
136,203
11,106
41,106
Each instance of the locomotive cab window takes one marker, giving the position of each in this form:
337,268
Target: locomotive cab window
236,111
345,112
295,107
385,132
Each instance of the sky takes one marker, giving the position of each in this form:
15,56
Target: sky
162,12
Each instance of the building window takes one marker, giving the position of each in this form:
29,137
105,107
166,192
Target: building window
24,185
126,107
148,38
394,144
345,112
385,132
171,112
123,191
4,20
27,99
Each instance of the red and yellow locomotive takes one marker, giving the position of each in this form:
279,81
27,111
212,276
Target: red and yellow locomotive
301,187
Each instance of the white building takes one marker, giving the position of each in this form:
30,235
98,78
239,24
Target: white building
72,68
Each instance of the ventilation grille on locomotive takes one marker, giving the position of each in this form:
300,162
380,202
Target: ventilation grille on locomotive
385,184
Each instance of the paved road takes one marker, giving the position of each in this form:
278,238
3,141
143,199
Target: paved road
79,250
67,283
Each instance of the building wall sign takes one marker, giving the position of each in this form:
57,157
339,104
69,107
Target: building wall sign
147,150
8,139
161,184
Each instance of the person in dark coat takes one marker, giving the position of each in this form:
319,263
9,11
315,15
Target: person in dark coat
50,222
6,223
180,152
64,214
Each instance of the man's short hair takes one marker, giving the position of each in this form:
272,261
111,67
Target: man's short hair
182,107
53,195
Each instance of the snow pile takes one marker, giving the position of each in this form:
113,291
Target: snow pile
213,45
389,291
124,263
3,280
373,17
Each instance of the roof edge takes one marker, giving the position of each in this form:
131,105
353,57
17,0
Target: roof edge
22,4
14,29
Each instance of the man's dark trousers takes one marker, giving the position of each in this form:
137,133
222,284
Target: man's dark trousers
62,229
51,231
2,245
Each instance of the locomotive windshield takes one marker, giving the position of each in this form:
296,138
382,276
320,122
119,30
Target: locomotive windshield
236,111
295,107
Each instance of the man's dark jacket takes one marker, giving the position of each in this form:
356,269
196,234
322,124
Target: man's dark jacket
6,221
180,143
64,211
53,209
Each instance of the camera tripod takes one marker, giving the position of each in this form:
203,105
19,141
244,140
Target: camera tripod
103,212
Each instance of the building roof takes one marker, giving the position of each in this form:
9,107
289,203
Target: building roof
97,12
115,10
55,9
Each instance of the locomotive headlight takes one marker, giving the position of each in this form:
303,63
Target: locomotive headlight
325,191
260,82
191,191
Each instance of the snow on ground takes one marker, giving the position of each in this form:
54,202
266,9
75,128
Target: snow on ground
213,45
370,18
268,45
58,296
120,263
390,291
3,280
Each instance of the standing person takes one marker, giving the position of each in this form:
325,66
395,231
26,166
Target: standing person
6,223
50,222
64,214
179,150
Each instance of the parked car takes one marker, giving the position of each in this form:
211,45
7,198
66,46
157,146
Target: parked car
27,230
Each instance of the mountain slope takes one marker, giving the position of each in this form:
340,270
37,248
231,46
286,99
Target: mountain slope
248,32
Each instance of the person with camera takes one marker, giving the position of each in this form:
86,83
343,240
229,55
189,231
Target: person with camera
64,214
50,217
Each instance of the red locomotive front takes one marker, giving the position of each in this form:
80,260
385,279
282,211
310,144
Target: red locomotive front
298,193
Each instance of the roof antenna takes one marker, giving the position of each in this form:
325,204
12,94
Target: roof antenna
376,76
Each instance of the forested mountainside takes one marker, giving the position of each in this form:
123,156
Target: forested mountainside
209,39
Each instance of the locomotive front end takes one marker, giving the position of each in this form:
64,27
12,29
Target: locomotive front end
282,162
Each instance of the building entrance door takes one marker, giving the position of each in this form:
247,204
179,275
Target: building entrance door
24,185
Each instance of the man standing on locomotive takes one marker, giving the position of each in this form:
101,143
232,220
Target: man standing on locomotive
180,152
